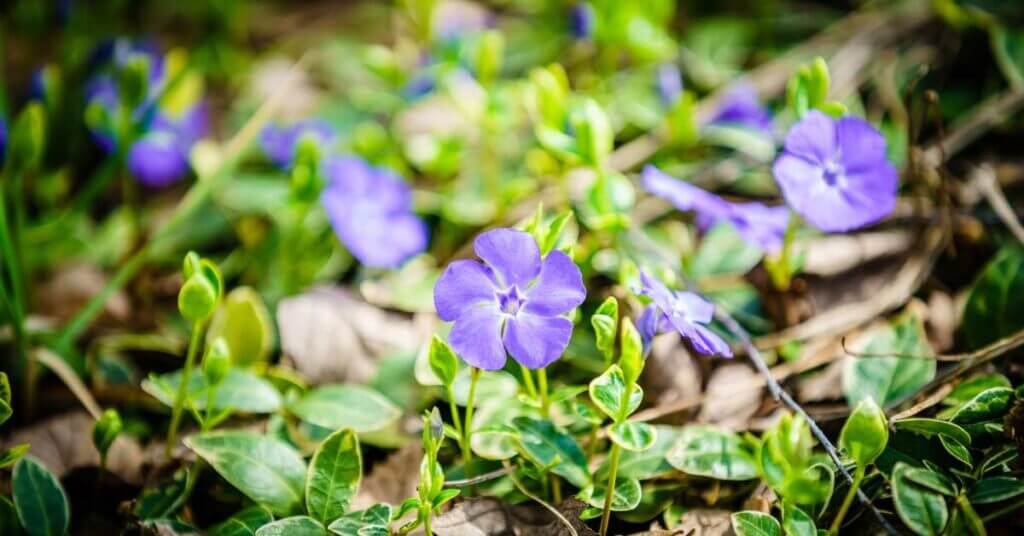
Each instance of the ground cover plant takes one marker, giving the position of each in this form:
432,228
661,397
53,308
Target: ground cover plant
511,267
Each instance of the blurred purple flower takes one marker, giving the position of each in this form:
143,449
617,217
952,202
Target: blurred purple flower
581,20
761,225
685,311
279,143
834,172
513,301
3,139
740,106
670,83
370,210
160,157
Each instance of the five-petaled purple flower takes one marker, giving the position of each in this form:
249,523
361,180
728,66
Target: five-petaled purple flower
370,210
512,301
834,172
685,311
279,143
758,224
740,106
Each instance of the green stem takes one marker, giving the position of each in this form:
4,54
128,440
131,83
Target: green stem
609,491
778,267
545,401
425,512
858,475
456,420
467,428
528,381
186,374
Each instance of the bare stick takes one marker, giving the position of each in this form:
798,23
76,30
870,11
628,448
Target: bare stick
985,177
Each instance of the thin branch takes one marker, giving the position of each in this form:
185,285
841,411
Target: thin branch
928,402
519,485
985,177
898,355
466,482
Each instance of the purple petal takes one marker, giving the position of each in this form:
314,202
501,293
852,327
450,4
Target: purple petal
377,238
512,254
761,225
463,284
705,341
696,309
476,338
158,159
536,341
740,106
657,290
558,289
813,138
670,83
652,321
860,145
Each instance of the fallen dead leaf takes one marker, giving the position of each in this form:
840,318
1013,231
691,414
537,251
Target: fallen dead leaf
391,481
729,399
64,442
488,516
671,374
702,522
70,287
330,335
826,384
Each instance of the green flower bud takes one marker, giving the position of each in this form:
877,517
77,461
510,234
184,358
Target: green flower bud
443,361
202,290
631,354
305,181
106,430
28,139
216,362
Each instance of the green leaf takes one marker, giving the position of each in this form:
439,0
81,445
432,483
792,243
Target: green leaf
547,446
40,500
627,495
995,489
631,354
865,432
11,456
633,436
796,522
605,322
293,526
992,310
374,521
268,471
752,523
608,389
346,406
970,388
1008,48
649,463
106,430
712,452
443,361
930,427
9,523
334,474
495,442
922,510
5,388
889,380
5,411
241,390
244,523
956,449
244,322
932,480
164,500
985,406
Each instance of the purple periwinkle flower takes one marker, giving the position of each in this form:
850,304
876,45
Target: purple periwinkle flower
740,106
513,301
370,210
280,143
685,311
3,139
834,172
581,20
670,83
759,224
160,156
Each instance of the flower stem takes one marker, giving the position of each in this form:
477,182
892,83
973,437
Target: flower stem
425,512
609,491
454,408
467,429
545,401
528,381
858,476
186,375
779,266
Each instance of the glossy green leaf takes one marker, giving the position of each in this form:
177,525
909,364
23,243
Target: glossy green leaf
268,471
245,324
5,411
9,523
889,380
374,521
995,489
293,526
865,432
40,500
932,427
167,498
443,361
241,390
985,406
712,452
796,522
11,455
992,310
922,510
547,446
631,354
627,495
496,442
723,251
244,523
633,436
752,523
346,406
334,474
607,392
931,479
648,463
5,388
956,449
970,388
605,322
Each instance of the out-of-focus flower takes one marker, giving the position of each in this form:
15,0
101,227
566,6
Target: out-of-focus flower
685,311
581,20
454,18
740,106
279,143
370,210
513,301
835,173
670,83
3,139
761,225
160,157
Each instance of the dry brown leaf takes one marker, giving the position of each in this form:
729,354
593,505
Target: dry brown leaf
393,480
826,384
836,253
70,287
671,373
330,335
491,517
729,399
64,442
702,522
